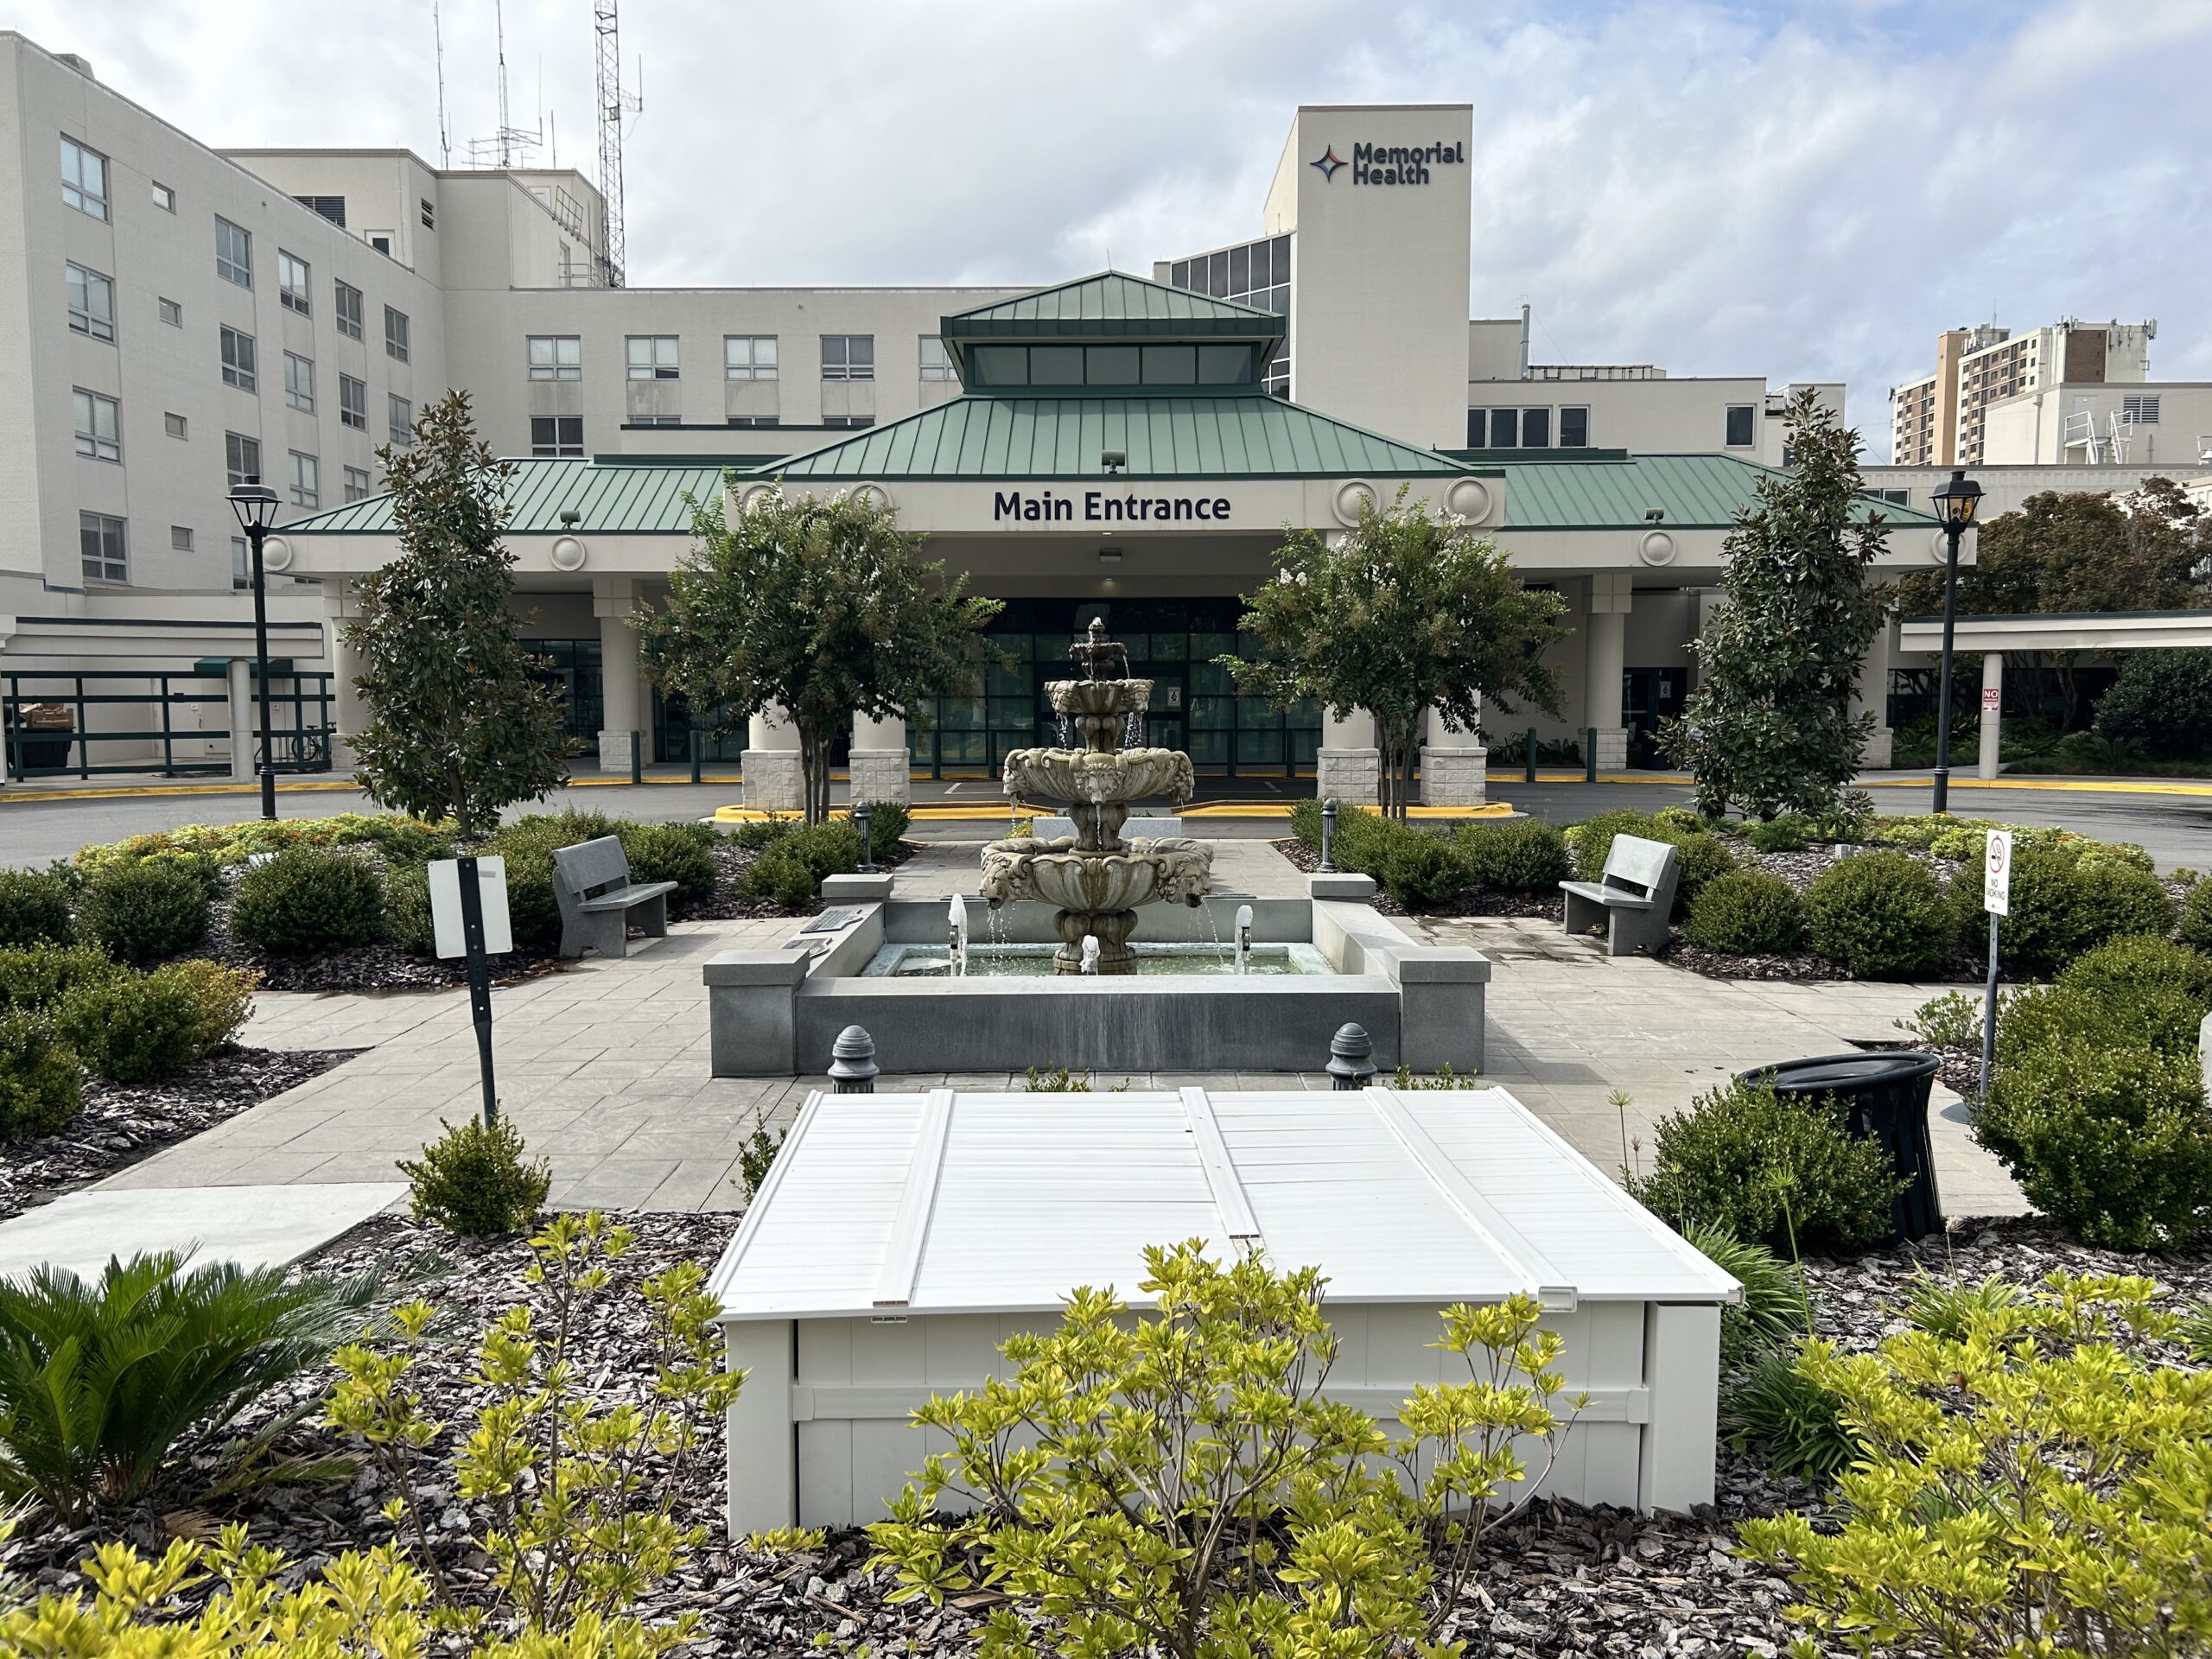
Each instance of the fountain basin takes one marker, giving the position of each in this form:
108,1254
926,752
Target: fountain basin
775,1013
1037,961
1061,775
1169,869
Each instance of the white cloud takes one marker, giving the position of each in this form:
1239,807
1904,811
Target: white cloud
1805,190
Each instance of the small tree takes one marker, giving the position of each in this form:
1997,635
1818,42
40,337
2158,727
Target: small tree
821,608
1409,613
460,727
1770,725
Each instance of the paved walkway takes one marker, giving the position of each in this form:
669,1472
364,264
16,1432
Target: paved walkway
604,1065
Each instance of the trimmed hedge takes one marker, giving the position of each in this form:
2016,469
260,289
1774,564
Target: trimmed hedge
1748,912
1421,869
38,977
1518,856
144,910
139,1028
2067,899
41,1088
309,898
34,909
1880,916
1700,855
2196,916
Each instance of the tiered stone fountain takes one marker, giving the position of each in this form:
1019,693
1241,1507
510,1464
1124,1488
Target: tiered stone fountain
1096,879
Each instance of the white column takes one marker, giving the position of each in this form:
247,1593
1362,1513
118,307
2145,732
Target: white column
1454,765
349,710
1604,660
1348,764
770,763
1870,695
1993,709
245,731
881,769
614,601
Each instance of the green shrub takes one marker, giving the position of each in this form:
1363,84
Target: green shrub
887,825
528,845
1305,824
682,852
1519,855
2162,701
144,910
757,1156
1951,1020
1590,840
758,834
136,1028
1949,1308
1775,1305
2149,1016
472,1180
2196,917
41,975
1880,916
782,878
1422,871
309,898
2067,900
1795,1423
40,1086
407,909
102,1386
399,838
2112,1140
2029,1488
1790,833
1783,1172
2141,963
1749,912
34,909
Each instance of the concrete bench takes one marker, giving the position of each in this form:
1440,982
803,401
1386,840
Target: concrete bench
1634,896
592,885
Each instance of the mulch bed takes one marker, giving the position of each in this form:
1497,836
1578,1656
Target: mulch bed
121,1123
1562,1580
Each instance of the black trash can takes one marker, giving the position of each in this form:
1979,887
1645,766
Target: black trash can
1885,1096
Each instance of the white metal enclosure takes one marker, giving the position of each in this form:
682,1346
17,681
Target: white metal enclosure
899,1239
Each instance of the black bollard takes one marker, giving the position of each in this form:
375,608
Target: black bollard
868,853
1328,835
852,1061
1351,1058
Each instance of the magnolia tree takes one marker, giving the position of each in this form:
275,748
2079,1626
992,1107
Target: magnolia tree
459,726
1769,728
820,608
1409,611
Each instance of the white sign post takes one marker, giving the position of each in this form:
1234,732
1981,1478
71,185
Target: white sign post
468,914
1996,899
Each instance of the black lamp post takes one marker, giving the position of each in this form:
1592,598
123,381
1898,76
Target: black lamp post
255,503
1956,504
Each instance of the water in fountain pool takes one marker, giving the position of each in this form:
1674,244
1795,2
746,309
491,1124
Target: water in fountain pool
1035,961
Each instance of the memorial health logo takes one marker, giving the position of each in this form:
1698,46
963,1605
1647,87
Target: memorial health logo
1328,163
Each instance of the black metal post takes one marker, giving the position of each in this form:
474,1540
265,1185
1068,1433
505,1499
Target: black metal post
698,745
860,816
1590,754
479,979
254,539
1943,801
637,758
1989,1013
1328,837
1528,768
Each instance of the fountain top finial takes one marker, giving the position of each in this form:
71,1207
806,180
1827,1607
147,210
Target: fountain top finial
1095,649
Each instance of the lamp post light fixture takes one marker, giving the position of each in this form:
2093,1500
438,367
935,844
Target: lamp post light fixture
255,504
1955,505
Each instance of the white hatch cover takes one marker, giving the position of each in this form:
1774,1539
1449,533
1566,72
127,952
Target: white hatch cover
953,1202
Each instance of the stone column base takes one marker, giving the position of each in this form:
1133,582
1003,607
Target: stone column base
771,779
1454,776
614,751
1881,751
1612,748
882,775
1350,775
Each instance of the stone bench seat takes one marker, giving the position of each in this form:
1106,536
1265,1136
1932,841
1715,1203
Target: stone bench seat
1634,896
1611,897
593,888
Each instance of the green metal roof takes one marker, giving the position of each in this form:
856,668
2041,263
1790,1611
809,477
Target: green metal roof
1112,305
982,436
635,500
1697,492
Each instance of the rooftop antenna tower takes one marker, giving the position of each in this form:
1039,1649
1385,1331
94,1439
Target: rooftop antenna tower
438,46
511,145
615,108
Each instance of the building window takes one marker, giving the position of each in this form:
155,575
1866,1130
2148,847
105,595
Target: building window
557,435
307,481
352,402
299,382
105,546
749,356
755,420
91,302
238,359
430,216
848,357
348,307
937,362
357,483
172,312
241,563
164,198
84,179
331,207
174,424
242,459
657,420
2142,411
180,538
399,419
99,426
292,283
652,357
1901,498
557,357
1504,429
234,254
1740,425
381,241
845,421
395,333
1535,429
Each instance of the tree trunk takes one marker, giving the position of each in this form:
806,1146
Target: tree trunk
810,769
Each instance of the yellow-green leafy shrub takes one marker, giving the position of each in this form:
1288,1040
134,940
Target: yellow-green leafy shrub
473,1180
41,1088
397,836
2028,1487
141,1027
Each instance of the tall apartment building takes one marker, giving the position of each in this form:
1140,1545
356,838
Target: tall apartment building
1942,419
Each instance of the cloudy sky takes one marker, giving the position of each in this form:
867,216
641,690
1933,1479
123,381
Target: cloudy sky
1808,191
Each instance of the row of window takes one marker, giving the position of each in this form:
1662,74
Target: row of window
104,543
1528,429
99,417
745,356
556,437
